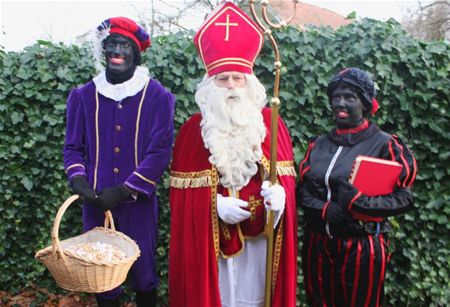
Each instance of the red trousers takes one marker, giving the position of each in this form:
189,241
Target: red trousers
347,272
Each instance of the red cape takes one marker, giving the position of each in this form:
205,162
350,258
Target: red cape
194,235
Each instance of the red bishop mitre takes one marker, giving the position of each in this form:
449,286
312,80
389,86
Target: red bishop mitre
229,41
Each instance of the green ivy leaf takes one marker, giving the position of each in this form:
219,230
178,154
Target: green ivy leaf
27,183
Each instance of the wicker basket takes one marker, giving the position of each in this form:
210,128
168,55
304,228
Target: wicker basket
75,273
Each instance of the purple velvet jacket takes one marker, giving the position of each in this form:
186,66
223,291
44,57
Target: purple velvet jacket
127,141
113,142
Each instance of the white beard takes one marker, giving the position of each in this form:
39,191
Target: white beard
233,128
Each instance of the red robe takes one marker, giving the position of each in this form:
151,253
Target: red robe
197,235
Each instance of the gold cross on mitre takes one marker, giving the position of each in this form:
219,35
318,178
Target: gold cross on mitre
252,204
227,24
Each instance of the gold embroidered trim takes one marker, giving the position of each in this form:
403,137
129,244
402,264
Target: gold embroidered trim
186,180
220,61
203,173
226,232
241,238
277,253
145,179
74,165
97,147
138,119
252,204
285,163
265,163
284,168
214,217
211,67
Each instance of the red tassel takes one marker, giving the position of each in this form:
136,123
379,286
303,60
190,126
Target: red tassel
375,106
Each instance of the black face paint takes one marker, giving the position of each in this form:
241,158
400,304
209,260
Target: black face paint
347,108
120,60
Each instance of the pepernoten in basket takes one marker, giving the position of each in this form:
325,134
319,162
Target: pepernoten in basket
80,274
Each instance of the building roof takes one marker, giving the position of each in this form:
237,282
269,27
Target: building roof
308,14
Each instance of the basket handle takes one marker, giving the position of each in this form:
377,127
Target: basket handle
56,246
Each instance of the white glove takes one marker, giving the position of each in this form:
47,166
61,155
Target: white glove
229,209
274,199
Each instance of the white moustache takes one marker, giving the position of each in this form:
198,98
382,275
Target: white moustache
235,94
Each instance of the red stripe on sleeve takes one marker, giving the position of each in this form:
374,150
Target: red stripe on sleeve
413,177
350,205
304,172
391,151
405,163
308,152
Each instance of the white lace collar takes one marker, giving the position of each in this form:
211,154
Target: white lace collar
122,90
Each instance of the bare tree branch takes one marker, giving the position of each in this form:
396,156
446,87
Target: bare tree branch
431,21
165,16
435,3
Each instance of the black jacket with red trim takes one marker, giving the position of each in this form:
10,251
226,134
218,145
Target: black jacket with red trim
329,159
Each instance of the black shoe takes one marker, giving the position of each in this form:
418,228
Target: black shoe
146,298
101,302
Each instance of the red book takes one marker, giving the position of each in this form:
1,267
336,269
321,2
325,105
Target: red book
374,177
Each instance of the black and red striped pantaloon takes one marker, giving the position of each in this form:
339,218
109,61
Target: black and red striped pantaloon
347,272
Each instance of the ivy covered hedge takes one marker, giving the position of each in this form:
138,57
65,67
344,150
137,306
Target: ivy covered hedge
413,91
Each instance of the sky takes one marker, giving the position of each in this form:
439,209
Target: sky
24,22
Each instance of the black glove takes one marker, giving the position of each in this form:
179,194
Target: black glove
312,181
80,186
337,214
111,197
313,184
346,192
